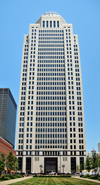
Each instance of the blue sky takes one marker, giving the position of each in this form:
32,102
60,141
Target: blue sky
15,17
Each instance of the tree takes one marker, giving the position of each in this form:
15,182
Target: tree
94,162
88,165
81,167
16,164
10,162
2,162
77,168
99,164
84,166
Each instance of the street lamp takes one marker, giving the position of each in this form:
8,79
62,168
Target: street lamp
40,168
63,165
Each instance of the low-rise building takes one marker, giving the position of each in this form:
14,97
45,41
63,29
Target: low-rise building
6,147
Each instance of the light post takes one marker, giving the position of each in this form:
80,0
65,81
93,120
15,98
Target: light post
63,165
40,168
59,170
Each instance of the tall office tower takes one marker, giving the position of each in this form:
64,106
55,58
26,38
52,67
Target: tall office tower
8,109
51,132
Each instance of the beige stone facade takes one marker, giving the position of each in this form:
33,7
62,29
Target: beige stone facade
51,129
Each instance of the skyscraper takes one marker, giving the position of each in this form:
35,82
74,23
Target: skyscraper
7,115
51,132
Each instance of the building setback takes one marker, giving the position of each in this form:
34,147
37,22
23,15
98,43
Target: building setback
7,115
51,131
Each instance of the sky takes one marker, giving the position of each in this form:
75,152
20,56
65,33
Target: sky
15,17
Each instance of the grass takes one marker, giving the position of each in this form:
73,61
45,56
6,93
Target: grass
54,181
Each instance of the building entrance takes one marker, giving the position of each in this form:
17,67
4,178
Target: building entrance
73,164
50,164
28,165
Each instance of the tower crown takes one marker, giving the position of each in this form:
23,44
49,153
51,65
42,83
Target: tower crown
51,14
51,18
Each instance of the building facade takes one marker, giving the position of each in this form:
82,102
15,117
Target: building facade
8,109
99,147
6,147
51,131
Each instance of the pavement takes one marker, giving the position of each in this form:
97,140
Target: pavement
5,182
86,179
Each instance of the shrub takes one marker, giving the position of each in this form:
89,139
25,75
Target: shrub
19,176
96,176
53,176
65,176
6,178
92,177
13,177
99,178
86,176
3,175
81,175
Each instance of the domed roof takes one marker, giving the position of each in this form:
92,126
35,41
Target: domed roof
50,14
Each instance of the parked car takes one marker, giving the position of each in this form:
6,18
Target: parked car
52,173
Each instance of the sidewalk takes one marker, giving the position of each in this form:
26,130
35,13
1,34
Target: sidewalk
14,180
86,179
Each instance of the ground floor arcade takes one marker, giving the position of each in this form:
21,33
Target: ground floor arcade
46,164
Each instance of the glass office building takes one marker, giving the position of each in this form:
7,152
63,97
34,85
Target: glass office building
51,131
8,109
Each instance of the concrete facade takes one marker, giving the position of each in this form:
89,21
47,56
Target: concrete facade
51,112
99,147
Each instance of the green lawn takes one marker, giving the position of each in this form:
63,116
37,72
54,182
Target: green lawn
54,181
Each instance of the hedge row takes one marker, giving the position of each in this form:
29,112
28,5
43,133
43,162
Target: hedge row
52,176
96,177
8,177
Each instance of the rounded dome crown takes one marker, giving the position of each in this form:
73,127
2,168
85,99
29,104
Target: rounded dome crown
50,14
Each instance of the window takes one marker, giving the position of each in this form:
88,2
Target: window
64,158
26,146
57,24
30,146
43,24
50,24
47,24
36,158
70,146
54,24
74,146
